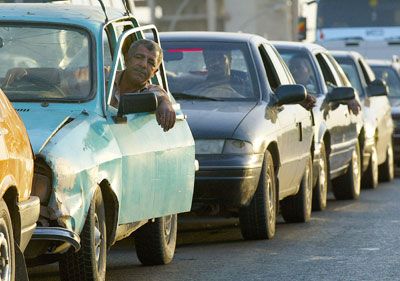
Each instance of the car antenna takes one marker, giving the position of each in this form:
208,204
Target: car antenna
103,7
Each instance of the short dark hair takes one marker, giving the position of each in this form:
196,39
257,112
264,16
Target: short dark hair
149,45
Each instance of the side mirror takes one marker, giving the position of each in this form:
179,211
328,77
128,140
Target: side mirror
376,88
341,94
135,103
289,94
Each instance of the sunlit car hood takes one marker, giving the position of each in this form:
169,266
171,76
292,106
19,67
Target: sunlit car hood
215,119
42,124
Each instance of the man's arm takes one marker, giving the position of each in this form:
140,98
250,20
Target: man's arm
165,114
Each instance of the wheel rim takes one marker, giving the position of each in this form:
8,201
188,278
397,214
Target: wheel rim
4,258
271,199
323,184
98,238
356,172
168,225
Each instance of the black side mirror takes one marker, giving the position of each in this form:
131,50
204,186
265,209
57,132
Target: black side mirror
376,88
341,94
135,103
289,94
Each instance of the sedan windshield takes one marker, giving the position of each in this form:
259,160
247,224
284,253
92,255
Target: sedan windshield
209,71
44,63
391,77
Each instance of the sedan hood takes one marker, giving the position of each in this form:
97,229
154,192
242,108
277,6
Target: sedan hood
215,119
41,125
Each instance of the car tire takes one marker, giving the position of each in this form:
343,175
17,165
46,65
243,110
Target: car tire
369,179
320,191
297,208
347,186
386,169
89,263
155,242
7,253
258,219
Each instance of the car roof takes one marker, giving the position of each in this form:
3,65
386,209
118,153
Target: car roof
209,36
56,13
298,45
379,62
346,54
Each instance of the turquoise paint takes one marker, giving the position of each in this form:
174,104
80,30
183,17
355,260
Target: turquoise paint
150,172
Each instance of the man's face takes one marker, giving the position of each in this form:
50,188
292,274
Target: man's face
217,63
300,71
142,65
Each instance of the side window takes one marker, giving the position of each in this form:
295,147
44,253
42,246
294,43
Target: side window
272,75
279,65
339,70
368,73
326,67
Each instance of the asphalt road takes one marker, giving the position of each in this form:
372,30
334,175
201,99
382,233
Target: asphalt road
350,240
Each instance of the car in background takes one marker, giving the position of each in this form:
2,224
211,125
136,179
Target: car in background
104,172
253,138
19,210
389,71
377,117
336,132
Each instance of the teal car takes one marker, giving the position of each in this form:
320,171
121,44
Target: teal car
101,173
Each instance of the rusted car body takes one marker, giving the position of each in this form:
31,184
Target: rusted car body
104,172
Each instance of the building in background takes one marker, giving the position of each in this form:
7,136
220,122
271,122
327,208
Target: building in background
273,19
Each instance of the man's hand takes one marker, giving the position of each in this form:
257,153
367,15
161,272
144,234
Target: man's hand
165,115
309,102
354,106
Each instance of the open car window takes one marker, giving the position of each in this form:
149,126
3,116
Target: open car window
300,65
119,60
45,63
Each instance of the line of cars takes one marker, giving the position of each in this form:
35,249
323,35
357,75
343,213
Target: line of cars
259,145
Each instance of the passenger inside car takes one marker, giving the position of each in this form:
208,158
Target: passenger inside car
302,73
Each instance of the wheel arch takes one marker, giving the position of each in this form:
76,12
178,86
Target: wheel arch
111,206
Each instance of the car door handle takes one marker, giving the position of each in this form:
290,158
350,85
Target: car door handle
300,130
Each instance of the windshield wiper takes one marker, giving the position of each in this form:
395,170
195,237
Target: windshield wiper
184,96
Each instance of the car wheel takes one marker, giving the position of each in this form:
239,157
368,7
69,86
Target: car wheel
155,241
320,191
386,169
258,219
347,186
297,208
7,254
89,263
370,177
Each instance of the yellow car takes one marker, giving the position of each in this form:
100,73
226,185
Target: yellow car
19,211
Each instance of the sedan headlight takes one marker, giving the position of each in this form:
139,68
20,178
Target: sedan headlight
238,147
209,146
